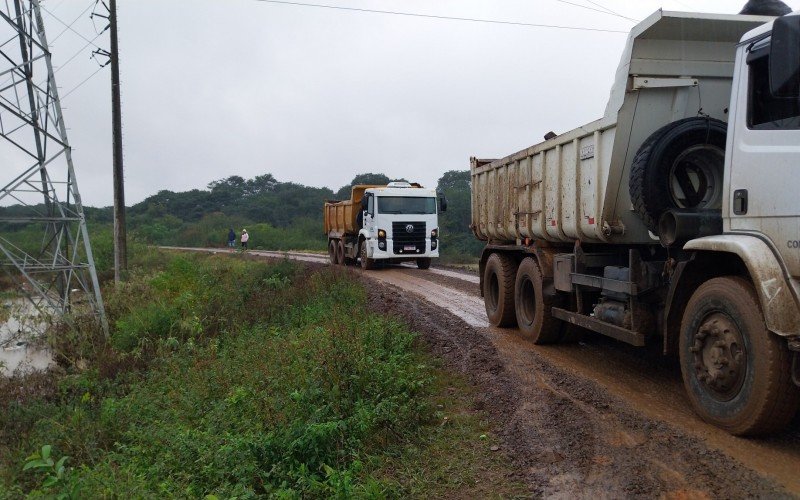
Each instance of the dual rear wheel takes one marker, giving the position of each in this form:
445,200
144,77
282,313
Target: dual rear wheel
518,294
336,253
332,251
738,374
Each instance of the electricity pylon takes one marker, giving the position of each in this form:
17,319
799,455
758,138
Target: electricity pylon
44,243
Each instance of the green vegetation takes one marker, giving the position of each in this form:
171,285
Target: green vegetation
278,216
459,245
230,377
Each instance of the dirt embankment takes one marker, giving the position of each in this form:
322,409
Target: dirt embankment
567,436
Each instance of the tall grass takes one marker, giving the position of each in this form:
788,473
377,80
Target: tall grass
240,379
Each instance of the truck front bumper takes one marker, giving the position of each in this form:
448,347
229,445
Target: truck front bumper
392,251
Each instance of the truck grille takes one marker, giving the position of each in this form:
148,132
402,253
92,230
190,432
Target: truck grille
403,239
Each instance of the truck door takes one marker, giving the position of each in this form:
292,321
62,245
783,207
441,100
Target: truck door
765,158
369,214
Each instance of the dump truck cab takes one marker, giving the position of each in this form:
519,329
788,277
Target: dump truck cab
761,209
400,223
394,223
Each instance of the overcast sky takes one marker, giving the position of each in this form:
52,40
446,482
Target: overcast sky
214,88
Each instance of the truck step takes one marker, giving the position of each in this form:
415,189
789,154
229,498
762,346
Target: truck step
595,325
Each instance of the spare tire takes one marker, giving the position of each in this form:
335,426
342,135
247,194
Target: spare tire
680,166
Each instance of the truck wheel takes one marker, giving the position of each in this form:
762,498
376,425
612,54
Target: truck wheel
332,251
680,166
736,372
498,289
366,262
533,300
340,258
424,262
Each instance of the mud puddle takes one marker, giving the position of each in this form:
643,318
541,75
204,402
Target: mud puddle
22,348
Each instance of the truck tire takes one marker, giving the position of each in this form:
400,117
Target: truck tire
332,251
340,258
366,262
533,300
498,289
736,372
424,262
680,166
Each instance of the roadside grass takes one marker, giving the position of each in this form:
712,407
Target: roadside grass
236,378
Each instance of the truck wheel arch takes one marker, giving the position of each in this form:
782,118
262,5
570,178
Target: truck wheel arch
733,254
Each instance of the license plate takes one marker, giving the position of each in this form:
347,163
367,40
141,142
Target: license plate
410,247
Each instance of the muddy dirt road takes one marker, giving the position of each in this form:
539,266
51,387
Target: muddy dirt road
594,418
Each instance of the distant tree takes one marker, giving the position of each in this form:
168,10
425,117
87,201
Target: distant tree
458,242
233,183
260,184
198,216
226,191
377,179
455,181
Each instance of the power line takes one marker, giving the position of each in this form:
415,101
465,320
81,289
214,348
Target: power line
76,54
59,68
596,4
69,27
604,11
448,18
685,5
76,87
72,23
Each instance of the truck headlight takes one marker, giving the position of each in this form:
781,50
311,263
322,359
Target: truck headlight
434,233
433,244
382,245
381,233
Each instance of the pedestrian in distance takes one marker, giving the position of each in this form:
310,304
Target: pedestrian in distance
231,238
244,239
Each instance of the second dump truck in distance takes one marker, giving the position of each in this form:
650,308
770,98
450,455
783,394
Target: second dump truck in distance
395,223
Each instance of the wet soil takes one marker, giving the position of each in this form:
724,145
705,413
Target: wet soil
591,418
566,435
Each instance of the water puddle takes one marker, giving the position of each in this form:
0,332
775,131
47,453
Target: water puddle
23,348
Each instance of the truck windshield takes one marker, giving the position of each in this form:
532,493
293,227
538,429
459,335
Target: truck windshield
406,205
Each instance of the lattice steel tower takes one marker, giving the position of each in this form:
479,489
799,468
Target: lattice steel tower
57,270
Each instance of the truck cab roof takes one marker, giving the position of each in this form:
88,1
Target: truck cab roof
763,29
402,191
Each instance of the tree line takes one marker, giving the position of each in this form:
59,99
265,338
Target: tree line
278,215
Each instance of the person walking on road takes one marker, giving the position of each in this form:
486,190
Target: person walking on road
231,238
244,239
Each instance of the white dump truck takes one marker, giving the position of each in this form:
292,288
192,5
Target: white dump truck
384,224
675,218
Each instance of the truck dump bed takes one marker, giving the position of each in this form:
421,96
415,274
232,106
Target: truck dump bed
340,216
575,186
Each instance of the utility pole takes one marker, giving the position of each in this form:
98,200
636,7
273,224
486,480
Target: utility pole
120,231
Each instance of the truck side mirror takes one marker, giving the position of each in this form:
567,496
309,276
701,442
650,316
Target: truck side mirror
442,202
364,202
784,57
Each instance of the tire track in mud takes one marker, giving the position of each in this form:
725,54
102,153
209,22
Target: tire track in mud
568,437
454,301
643,378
